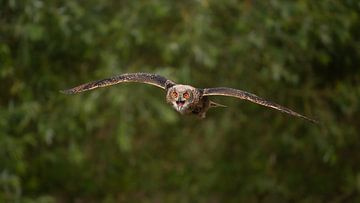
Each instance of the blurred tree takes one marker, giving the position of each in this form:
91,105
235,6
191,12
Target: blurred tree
114,146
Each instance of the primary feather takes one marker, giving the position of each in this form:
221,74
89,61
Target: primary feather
230,92
148,78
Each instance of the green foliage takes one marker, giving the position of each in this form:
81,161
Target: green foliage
125,144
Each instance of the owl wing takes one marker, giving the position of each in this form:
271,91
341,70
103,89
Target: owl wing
225,91
148,78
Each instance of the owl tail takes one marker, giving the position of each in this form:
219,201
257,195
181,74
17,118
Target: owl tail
214,104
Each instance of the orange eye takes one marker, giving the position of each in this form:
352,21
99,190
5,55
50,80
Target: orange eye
174,94
186,95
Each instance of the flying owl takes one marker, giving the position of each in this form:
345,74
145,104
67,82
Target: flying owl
185,99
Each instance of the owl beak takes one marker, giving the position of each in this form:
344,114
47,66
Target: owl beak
180,103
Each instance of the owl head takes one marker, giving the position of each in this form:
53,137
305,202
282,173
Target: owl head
182,97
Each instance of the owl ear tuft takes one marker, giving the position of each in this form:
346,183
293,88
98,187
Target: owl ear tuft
168,84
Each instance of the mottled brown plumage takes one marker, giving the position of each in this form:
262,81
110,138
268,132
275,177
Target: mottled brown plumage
184,98
148,78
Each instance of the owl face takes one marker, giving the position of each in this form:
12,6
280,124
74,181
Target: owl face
181,97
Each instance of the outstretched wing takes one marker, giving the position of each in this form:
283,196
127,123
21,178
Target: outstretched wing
148,78
225,91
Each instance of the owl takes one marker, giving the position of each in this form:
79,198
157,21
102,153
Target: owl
185,99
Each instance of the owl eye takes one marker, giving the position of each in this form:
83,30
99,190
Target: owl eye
174,94
186,95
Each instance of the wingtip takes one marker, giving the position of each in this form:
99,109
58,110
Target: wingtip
66,91
316,122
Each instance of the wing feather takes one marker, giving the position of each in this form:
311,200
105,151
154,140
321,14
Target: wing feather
148,78
225,91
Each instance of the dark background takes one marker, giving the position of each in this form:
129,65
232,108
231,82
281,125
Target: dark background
125,144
